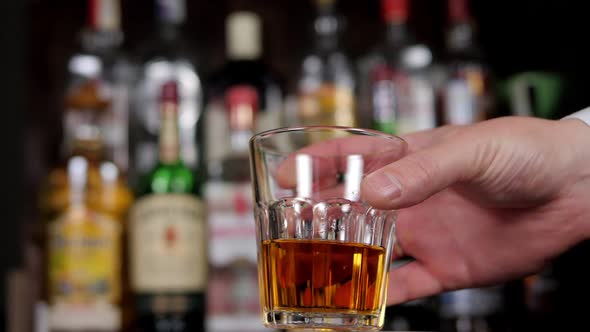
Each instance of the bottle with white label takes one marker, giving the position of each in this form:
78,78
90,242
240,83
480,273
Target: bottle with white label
167,236
466,95
232,243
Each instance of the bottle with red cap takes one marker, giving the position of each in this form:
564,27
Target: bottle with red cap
99,78
243,97
232,245
245,65
466,94
397,92
395,15
167,235
380,101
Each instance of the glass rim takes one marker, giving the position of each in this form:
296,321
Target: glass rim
351,130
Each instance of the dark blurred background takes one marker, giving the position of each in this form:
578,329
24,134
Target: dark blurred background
39,36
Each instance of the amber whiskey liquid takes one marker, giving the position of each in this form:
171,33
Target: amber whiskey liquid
322,276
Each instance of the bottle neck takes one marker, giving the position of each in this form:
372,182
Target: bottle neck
458,11
77,195
326,44
103,28
86,141
461,38
327,27
93,153
239,56
169,141
109,175
101,42
461,34
77,179
326,41
171,15
242,123
169,31
239,141
396,35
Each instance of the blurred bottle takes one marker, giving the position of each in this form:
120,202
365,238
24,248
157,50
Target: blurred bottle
534,93
168,56
327,84
377,99
244,66
466,94
84,267
232,246
99,79
473,310
167,235
106,194
397,94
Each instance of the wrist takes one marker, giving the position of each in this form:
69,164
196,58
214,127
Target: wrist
582,115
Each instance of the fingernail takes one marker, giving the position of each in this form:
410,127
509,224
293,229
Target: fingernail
384,184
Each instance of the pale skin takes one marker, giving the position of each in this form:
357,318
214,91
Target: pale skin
485,203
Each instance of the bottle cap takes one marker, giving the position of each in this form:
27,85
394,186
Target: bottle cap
395,11
242,104
104,15
241,95
77,170
418,56
243,36
458,11
109,173
85,65
169,92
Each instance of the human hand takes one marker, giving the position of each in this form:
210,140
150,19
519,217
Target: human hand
485,203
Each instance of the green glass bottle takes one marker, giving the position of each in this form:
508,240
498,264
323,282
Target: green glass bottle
167,236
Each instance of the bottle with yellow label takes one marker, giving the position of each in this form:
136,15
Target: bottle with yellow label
327,83
83,261
167,236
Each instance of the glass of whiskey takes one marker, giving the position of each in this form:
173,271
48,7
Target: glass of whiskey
323,253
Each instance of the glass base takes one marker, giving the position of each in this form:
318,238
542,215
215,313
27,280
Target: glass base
326,320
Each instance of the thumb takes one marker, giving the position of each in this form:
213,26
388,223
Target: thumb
419,175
